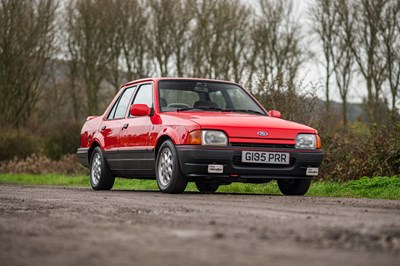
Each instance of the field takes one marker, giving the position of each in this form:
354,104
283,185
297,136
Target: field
373,188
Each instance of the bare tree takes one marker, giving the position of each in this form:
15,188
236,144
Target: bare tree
341,54
26,43
169,25
134,39
128,43
201,38
73,75
390,28
276,37
74,82
324,16
183,16
89,34
219,39
238,44
234,22
368,53
115,17
277,53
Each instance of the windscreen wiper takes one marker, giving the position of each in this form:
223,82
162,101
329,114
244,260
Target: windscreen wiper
187,109
199,109
212,108
243,111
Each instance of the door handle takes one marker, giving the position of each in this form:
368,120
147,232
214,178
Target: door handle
103,127
125,126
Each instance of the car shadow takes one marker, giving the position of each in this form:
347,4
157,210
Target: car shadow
192,193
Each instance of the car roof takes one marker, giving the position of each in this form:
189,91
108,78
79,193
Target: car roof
156,79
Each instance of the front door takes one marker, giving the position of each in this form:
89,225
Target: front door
135,151
112,126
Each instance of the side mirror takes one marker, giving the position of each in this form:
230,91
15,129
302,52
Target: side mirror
275,113
139,110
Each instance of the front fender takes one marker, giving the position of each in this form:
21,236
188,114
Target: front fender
178,134
169,133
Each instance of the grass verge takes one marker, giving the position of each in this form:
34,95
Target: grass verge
373,188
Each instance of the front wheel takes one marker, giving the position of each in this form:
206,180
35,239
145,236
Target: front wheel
168,172
294,186
101,177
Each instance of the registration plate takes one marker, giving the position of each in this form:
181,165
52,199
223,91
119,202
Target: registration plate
265,157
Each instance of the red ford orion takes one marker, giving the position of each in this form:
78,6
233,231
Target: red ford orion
196,130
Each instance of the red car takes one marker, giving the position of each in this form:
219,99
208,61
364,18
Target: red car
196,130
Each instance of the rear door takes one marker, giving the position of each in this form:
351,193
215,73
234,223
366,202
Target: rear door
135,151
111,128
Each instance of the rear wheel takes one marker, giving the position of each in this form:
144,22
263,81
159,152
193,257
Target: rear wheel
100,174
294,186
168,172
206,187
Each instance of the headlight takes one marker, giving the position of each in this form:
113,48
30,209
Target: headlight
214,138
306,141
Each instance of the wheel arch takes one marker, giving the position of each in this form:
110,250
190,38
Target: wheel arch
176,135
95,144
160,141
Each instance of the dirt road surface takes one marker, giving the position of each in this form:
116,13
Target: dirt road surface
78,226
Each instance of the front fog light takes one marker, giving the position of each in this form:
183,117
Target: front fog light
214,138
306,141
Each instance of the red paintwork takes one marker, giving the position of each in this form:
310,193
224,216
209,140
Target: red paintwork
139,110
90,118
275,113
147,130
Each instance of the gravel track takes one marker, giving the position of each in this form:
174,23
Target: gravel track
78,226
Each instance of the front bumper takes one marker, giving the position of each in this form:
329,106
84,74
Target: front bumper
194,161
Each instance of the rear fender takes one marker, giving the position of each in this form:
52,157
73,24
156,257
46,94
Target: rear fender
90,132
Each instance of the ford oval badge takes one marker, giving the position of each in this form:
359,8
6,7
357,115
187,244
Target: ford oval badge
262,133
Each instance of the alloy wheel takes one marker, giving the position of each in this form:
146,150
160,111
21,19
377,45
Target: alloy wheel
95,174
165,167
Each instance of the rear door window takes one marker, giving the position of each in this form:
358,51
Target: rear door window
120,107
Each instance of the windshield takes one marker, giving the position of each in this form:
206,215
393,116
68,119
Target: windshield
192,95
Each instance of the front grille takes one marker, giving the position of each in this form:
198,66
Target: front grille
262,145
237,160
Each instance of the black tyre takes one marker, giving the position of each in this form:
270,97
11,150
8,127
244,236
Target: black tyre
294,186
168,172
206,187
101,177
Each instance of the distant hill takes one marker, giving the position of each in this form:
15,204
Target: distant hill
354,110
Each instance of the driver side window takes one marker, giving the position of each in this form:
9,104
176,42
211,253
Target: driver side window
144,95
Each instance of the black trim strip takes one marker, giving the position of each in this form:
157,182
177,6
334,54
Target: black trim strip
82,155
141,161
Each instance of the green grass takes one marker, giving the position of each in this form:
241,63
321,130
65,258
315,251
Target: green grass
374,188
